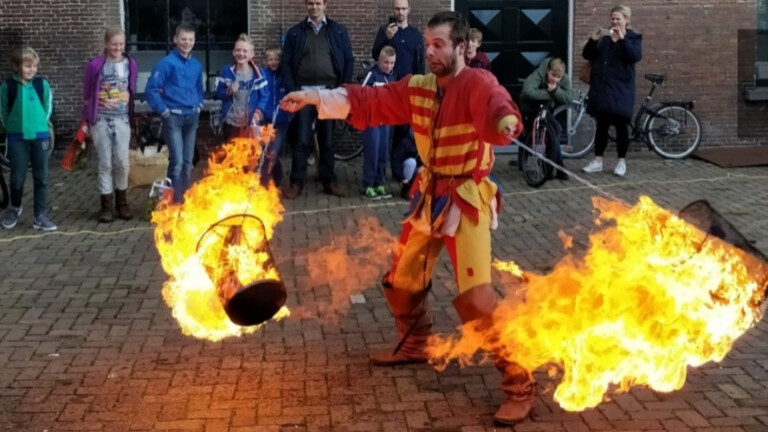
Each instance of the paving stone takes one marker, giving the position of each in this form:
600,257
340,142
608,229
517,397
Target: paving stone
87,342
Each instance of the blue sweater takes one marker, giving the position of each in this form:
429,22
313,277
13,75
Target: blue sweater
275,91
409,47
176,84
257,97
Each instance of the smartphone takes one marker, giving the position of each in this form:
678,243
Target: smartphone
392,20
605,31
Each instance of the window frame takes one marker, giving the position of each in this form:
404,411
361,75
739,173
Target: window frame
203,42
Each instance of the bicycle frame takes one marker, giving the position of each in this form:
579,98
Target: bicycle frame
638,131
581,110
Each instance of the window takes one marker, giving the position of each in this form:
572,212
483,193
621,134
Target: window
150,26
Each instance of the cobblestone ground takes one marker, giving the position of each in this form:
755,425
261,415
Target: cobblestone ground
87,342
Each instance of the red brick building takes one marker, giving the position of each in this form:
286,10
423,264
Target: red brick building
708,49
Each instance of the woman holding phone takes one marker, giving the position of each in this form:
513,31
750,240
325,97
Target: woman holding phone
612,53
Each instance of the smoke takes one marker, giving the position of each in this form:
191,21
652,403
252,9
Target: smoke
342,270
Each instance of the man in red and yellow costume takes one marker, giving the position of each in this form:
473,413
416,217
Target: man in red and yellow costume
457,114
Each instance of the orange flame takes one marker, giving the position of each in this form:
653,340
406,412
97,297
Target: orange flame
230,187
651,296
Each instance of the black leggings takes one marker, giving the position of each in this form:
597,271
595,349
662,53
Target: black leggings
604,121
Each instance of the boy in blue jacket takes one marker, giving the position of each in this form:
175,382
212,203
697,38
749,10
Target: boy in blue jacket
242,90
175,91
275,90
376,139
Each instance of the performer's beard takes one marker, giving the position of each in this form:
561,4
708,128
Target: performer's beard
447,69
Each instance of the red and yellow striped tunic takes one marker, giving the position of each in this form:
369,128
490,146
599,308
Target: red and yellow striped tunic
454,128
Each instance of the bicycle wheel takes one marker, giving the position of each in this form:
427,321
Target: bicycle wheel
673,132
535,170
577,136
347,142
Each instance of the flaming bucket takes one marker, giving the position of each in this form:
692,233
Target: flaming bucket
701,215
246,279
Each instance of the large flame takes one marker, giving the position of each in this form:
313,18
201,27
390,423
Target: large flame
230,187
651,296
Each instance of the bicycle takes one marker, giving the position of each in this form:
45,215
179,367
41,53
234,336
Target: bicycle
344,132
536,171
348,143
670,128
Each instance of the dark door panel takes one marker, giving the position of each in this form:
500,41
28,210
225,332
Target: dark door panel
517,35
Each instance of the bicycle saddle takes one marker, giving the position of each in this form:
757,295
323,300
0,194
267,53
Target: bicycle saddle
656,79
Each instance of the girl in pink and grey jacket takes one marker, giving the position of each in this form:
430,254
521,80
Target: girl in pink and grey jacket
109,86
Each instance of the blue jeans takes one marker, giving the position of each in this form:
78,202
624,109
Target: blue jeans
324,128
375,155
20,154
179,133
272,169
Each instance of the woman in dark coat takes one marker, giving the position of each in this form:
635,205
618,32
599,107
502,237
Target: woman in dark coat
612,54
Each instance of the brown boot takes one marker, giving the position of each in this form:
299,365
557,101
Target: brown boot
520,388
105,215
292,192
409,309
335,190
477,304
121,204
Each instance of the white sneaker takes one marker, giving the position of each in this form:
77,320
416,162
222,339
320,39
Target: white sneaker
621,169
593,166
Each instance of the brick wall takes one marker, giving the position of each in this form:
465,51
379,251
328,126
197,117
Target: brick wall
362,18
694,43
65,33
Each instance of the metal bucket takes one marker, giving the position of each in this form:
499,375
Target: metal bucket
250,291
701,215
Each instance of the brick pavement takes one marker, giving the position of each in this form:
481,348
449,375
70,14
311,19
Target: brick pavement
87,343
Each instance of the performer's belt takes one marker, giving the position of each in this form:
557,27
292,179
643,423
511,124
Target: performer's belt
443,183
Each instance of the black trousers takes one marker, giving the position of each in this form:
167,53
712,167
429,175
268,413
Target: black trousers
604,121
301,149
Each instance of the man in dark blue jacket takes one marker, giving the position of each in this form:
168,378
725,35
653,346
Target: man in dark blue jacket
408,43
317,54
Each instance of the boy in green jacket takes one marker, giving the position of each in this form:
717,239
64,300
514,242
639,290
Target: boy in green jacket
26,103
547,85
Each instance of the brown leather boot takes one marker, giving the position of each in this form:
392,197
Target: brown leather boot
520,388
409,309
477,304
105,215
121,204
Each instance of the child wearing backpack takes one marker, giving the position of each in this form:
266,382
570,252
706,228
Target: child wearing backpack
26,104
376,139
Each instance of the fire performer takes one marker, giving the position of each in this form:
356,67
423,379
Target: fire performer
457,114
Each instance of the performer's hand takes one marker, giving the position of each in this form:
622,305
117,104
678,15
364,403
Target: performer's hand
509,132
297,100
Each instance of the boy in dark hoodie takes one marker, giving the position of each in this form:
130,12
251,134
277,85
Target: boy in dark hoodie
272,169
376,139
